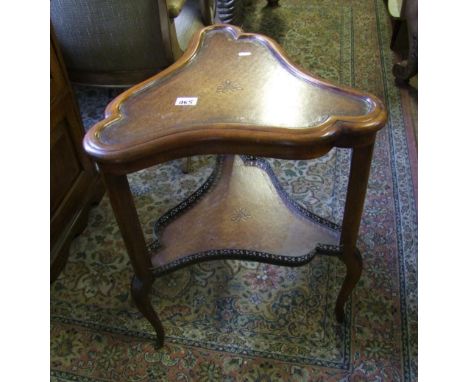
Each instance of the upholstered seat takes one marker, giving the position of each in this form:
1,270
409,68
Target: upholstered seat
121,42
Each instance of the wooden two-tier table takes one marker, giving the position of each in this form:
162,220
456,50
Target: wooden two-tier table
235,94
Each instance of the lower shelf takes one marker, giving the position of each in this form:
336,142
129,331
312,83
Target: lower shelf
241,212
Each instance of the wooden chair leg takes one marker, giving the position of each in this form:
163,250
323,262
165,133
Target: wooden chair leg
357,187
404,70
395,31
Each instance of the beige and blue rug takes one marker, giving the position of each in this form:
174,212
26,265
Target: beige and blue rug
243,321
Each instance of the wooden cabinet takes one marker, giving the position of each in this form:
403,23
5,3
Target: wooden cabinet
74,182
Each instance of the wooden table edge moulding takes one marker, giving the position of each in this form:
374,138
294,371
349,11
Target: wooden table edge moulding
237,95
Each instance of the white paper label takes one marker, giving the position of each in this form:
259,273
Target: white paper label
186,101
245,53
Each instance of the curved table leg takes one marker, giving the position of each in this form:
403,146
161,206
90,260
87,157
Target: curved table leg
357,186
140,294
353,262
127,218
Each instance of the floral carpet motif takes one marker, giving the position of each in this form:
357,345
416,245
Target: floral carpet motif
244,321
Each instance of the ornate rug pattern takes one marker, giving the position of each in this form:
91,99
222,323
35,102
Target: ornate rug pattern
244,321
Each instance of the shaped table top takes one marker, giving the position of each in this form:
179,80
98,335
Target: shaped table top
232,92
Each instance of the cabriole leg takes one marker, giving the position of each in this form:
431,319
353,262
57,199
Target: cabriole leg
127,218
140,294
357,186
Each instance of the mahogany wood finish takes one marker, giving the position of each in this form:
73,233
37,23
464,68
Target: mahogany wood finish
250,100
127,218
74,182
357,185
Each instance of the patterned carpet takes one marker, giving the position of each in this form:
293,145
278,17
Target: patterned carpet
243,321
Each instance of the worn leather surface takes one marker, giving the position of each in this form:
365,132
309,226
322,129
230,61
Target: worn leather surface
235,215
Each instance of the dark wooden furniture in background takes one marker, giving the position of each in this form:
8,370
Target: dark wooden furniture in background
235,93
404,15
74,181
273,3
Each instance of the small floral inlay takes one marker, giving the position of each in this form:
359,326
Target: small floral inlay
240,214
227,86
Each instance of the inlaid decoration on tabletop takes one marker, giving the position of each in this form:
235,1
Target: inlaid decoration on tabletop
228,86
280,102
240,214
